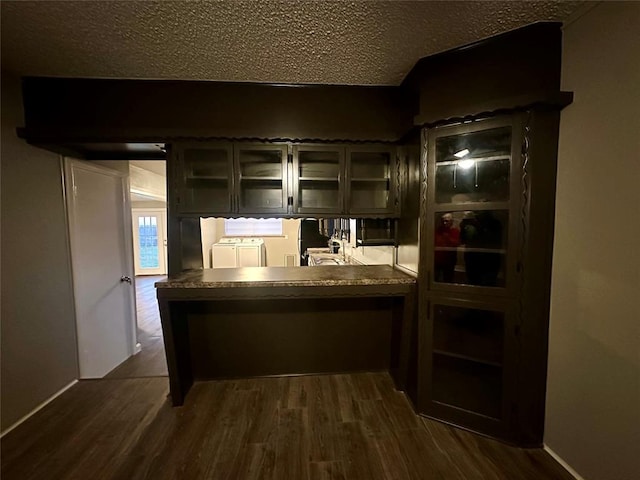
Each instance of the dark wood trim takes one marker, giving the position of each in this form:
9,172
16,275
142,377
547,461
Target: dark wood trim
162,109
537,101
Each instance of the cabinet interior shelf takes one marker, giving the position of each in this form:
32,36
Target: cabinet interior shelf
371,179
474,159
467,358
214,178
318,179
261,179
375,241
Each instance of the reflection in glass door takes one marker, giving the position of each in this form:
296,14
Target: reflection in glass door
149,241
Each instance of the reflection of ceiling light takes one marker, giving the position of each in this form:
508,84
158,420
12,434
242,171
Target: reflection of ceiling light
461,153
466,164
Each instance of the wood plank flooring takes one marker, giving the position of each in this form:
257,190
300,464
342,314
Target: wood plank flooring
151,361
351,426
324,427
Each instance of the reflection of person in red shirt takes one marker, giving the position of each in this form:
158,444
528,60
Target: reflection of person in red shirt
445,259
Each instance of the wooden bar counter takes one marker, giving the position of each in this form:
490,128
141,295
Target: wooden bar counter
264,321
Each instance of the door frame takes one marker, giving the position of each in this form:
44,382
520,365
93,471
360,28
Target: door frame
134,237
126,230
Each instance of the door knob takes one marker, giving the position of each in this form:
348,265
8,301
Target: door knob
125,278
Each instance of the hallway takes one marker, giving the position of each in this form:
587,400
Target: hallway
151,361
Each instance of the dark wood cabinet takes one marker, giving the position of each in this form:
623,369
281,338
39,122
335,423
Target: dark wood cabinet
345,180
318,179
226,178
261,178
375,231
205,181
486,241
266,179
372,180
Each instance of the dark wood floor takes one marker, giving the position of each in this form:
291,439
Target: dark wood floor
351,426
315,427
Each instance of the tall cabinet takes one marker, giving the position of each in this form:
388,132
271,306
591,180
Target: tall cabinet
486,239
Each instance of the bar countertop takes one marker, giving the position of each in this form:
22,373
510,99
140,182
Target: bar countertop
324,276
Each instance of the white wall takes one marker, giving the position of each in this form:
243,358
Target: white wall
593,389
148,183
209,234
38,326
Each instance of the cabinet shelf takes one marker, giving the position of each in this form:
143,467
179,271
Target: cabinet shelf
370,180
261,179
468,358
212,178
319,179
370,242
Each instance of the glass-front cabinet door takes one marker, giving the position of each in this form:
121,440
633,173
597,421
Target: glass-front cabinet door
318,177
470,363
261,178
205,178
472,202
372,179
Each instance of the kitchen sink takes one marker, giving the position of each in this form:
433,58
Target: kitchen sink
318,259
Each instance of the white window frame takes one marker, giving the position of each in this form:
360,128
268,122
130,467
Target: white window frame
253,227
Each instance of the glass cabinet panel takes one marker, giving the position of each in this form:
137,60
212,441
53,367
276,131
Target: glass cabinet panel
468,351
319,180
470,247
261,178
473,167
206,179
370,181
471,333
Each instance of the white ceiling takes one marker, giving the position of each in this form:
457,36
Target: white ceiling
334,42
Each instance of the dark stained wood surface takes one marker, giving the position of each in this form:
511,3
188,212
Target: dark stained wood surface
256,321
514,69
312,427
75,111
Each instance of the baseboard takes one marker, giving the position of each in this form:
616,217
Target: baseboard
38,408
564,464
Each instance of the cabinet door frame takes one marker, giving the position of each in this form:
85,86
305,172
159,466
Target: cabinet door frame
427,405
394,173
284,159
181,205
512,205
340,149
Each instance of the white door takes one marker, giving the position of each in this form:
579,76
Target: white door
101,254
149,241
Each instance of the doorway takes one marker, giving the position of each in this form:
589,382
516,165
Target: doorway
149,241
98,213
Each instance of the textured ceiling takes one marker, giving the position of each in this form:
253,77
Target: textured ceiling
335,42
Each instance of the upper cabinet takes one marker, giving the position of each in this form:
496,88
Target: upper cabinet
372,180
318,179
225,178
261,178
204,178
354,180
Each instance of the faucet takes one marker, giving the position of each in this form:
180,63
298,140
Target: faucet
333,242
